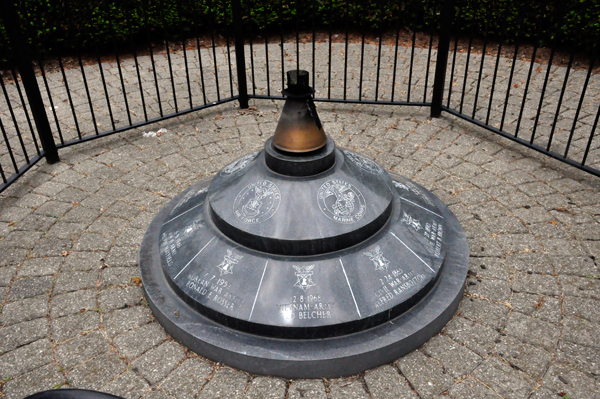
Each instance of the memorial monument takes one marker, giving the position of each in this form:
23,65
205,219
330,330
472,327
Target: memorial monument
304,260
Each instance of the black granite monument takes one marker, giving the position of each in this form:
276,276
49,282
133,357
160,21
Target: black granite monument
304,260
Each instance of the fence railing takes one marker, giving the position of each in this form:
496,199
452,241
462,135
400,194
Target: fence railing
517,90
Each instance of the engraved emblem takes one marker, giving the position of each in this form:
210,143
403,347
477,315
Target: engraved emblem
229,260
238,164
191,194
376,256
304,277
400,185
408,186
364,163
257,202
410,221
341,201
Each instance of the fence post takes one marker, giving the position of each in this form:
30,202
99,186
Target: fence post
24,63
447,15
240,57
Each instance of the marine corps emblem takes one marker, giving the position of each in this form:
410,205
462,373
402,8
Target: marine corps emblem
304,277
341,201
229,260
257,202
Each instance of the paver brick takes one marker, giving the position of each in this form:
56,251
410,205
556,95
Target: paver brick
25,359
156,364
24,310
188,379
503,379
39,267
385,382
96,372
307,389
129,385
424,374
351,388
44,378
70,326
82,348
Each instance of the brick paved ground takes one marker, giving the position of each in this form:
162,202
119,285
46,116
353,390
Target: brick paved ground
73,313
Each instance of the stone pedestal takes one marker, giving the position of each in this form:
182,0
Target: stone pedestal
304,266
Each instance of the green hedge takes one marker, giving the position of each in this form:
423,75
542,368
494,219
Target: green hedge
53,26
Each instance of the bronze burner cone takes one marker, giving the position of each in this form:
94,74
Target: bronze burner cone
299,129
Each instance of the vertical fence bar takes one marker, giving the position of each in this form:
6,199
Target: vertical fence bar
281,44
583,91
346,54
14,120
479,78
24,62
227,33
60,136
267,49
297,35
560,100
541,102
185,61
252,58
395,60
362,59
147,18
8,147
451,68
24,105
240,58
428,63
329,61
439,81
314,34
410,69
589,143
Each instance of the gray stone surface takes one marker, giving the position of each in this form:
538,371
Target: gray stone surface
530,316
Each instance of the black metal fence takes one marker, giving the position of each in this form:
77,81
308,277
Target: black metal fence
516,90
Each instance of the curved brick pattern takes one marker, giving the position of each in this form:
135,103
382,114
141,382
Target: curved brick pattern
73,313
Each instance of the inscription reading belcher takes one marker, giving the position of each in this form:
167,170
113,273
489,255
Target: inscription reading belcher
257,202
341,201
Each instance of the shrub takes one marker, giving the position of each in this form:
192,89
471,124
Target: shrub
62,27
